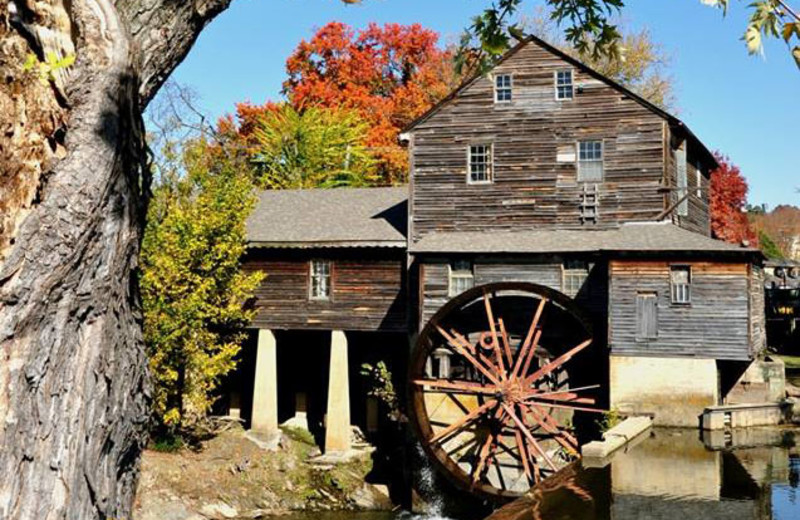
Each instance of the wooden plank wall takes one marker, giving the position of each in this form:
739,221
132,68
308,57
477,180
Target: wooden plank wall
531,186
548,271
368,290
715,325
698,218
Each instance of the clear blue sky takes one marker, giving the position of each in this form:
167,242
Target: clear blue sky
747,107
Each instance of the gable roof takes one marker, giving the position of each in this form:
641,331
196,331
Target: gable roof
633,238
674,122
343,217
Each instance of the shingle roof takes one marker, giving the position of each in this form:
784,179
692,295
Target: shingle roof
343,217
639,237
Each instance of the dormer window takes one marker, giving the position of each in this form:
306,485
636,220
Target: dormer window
480,164
502,88
564,87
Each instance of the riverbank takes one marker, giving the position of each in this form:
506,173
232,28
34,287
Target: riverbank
234,476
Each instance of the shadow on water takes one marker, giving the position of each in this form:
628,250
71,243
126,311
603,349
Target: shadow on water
752,474
676,474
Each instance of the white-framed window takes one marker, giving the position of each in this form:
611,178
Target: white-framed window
646,315
682,181
590,161
480,163
461,277
680,277
575,274
564,86
502,88
320,284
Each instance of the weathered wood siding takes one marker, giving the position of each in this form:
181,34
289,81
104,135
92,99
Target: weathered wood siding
698,217
548,271
368,291
715,325
532,187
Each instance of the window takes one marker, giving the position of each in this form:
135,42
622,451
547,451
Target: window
683,183
564,84
502,88
575,275
461,277
320,287
681,283
480,163
590,161
646,315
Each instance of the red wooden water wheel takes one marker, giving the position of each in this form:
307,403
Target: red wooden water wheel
490,386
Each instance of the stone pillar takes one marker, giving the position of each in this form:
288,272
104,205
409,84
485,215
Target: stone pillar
337,427
265,389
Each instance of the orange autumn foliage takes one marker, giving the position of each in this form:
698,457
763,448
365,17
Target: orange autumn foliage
390,75
727,201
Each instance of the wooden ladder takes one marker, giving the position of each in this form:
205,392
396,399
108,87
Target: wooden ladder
590,203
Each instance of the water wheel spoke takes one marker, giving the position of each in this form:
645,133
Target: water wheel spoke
531,353
567,398
483,455
567,390
526,345
556,363
460,349
465,387
495,341
528,436
463,421
567,406
551,426
523,454
506,342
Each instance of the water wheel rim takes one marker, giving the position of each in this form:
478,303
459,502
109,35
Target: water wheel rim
425,347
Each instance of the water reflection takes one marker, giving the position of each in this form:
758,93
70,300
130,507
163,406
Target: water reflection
752,474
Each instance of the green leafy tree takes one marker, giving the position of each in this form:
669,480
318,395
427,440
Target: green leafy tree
313,148
193,290
590,29
768,246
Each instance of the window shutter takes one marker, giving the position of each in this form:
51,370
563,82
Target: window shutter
646,316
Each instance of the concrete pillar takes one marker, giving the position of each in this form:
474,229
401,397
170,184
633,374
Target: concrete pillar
337,428
265,389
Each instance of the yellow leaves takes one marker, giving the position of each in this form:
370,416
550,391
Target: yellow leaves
47,70
796,55
752,38
193,289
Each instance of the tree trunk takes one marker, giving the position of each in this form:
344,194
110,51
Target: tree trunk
74,401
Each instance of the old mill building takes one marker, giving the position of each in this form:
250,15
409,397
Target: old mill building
540,188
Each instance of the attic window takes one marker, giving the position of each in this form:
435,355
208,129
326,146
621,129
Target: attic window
480,164
683,182
502,88
564,89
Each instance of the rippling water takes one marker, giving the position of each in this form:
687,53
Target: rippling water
752,474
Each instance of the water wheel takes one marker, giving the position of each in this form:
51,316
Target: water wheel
492,394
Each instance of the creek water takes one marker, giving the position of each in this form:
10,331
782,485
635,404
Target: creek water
749,474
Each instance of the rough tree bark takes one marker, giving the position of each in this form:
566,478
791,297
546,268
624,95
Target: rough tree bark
73,182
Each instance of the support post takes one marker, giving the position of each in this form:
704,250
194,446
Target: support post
337,428
265,389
